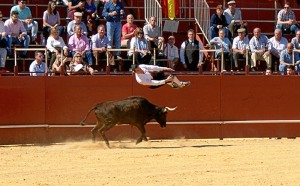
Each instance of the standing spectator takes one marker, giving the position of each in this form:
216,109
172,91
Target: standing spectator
75,6
286,20
154,36
38,67
3,45
26,18
190,55
218,21
240,47
79,43
140,45
51,19
171,53
223,42
101,42
286,59
77,21
260,48
234,19
16,33
279,43
296,40
55,44
128,31
113,12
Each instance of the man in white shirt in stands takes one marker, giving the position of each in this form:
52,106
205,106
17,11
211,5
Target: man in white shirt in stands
171,52
38,67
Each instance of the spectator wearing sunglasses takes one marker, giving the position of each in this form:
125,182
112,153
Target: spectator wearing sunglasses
38,66
286,20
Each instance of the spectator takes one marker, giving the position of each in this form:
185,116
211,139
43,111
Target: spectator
16,33
279,43
154,36
234,19
55,44
223,42
77,65
268,72
3,45
171,53
38,67
286,59
26,18
218,21
240,47
51,19
154,76
140,45
113,12
190,55
296,40
128,31
77,21
100,42
79,43
75,6
260,48
89,15
289,70
286,20
58,64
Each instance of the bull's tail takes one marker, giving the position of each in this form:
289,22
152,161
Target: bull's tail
83,121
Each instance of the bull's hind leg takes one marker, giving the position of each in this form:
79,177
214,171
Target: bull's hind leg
143,134
95,130
102,131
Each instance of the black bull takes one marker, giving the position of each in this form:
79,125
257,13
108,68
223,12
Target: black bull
136,111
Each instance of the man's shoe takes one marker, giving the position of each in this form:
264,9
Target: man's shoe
253,69
185,83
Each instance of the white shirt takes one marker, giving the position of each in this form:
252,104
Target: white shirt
37,70
171,52
182,50
52,43
146,78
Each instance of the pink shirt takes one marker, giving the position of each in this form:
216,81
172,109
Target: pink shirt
78,44
128,30
15,28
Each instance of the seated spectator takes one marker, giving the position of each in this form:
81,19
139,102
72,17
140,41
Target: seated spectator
260,49
59,63
26,18
223,42
191,55
171,53
218,21
17,33
100,43
289,70
234,19
77,21
268,72
38,67
77,65
240,48
55,44
75,6
51,19
140,45
286,59
128,31
79,43
279,43
3,45
154,36
286,20
296,40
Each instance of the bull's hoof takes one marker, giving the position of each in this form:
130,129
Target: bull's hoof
82,123
138,141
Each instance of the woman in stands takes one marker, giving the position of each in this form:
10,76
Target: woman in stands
51,19
139,43
55,44
78,66
58,64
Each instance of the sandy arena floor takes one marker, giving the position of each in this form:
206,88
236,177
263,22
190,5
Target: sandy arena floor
166,162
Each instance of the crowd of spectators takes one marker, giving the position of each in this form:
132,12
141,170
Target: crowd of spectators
84,39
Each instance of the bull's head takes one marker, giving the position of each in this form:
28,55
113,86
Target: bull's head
161,117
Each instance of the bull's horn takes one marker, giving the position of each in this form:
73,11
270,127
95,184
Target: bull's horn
170,109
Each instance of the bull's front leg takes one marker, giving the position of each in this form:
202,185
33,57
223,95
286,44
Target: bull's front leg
143,134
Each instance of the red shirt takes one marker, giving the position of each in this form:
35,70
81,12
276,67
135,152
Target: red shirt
128,30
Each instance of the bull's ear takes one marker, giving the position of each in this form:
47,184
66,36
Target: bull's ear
166,109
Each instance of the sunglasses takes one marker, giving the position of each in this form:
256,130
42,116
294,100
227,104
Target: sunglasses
23,2
41,56
286,7
78,56
140,33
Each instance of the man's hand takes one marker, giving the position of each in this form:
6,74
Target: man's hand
169,79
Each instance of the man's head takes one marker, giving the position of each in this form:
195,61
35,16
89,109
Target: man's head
231,5
277,34
171,40
39,56
268,71
191,34
22,4
14,16
130,18
290,47
222,33
241,32
77,17
78,30
101,30
152,20
256,32
289,70
287,7
136,69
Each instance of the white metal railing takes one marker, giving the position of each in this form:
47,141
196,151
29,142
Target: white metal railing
153,8
202,17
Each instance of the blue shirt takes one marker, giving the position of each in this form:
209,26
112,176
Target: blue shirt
221,42
23,14
37,70
287,57
110,7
